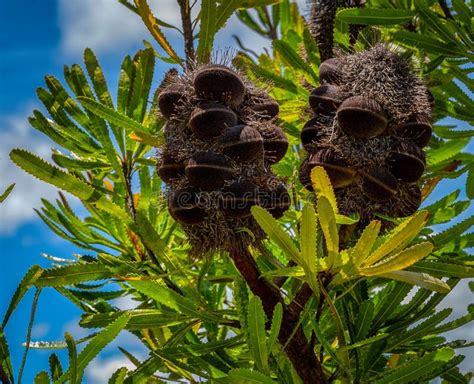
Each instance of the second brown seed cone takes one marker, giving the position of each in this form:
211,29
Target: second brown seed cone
221,139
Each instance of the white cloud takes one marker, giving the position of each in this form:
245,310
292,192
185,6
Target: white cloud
17,209
108,27
105,25
100,370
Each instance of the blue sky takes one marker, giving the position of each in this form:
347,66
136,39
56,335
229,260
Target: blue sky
38,37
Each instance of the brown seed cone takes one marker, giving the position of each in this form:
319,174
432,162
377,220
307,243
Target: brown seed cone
417,128
337,169
379,184
183,207
266,109
238,198
411,201
169,169
313,131
241,143
304,175
220,83
275,143
208,170
361,117
407,162
169,100
209,120
326,99
322,16
331,71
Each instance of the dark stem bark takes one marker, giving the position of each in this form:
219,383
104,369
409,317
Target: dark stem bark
299,350
186,22
444,6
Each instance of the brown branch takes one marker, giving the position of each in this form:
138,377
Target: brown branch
444,6
187,31
299,351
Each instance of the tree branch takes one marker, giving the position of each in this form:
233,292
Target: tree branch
444,6
299,350
187,31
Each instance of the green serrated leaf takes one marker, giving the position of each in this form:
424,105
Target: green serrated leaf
55,367
365,243
308,235
275,327
171,299
412,371
97,344
257,337
207,30
42,378
5,194
398,238
246,376
276,233
322,186
399,261
364,320
28,280
132,126
420,279
6,370
374,16
71,373
72,274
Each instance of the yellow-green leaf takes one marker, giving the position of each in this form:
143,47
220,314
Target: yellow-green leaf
276,233
365,243
327,220
322,186
399,238
399,261
308,235
420,279
150,21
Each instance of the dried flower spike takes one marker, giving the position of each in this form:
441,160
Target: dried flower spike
371,147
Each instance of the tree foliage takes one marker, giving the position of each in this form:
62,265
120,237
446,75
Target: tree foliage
350,292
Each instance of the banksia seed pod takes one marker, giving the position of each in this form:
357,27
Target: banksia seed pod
184,207
326,98
407,162
337,168
220,83
208,170
209,120
331,71
379,184
275,143
313,132
215,161
417,129
267,109
238,198
411,201
169,100
380,126
169,169
361,117
322,16
304,175
241,143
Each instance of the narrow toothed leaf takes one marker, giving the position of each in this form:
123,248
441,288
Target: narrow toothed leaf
399,261
422,280
322,186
